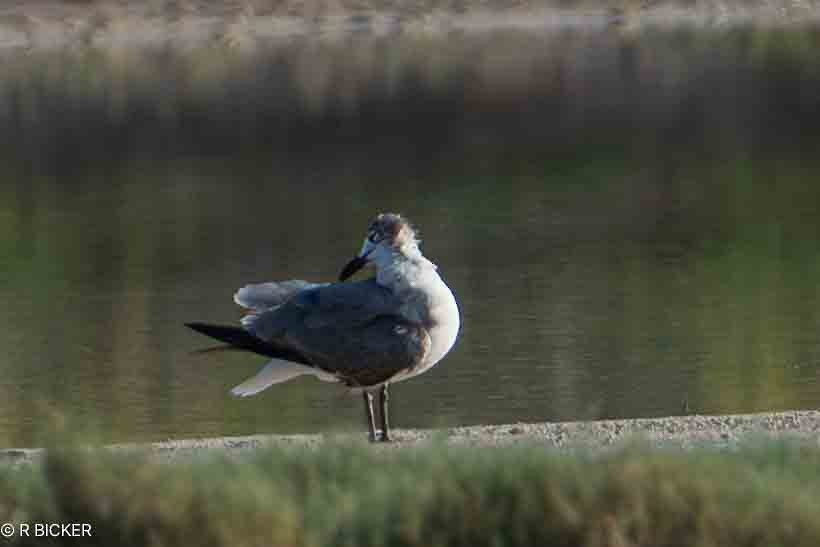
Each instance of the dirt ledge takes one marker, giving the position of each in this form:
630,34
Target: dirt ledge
679,432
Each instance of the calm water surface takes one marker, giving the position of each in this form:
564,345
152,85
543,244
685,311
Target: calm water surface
604,267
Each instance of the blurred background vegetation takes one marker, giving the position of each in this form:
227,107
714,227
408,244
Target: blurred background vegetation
352,495
628,217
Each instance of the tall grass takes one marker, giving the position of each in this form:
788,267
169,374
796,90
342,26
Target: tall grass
500,95
350,495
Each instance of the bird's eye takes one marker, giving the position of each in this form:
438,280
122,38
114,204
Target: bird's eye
372,237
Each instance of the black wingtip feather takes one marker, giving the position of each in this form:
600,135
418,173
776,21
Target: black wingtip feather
242,339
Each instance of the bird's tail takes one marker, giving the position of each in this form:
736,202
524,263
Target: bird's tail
239,338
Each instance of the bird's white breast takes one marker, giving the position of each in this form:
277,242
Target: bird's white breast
434,306
426,300
445,323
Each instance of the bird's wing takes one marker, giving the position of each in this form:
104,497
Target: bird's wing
318,306
264,296
353,330
363,354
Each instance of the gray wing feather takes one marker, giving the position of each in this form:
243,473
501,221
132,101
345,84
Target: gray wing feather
364,354
354,330
264,296
340,304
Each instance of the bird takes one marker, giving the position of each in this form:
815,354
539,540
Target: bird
364,334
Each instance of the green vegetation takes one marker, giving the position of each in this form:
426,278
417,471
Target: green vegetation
352,495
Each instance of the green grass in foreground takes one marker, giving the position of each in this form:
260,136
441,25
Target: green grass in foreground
354,495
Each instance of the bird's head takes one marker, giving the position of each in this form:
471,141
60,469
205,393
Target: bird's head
388,234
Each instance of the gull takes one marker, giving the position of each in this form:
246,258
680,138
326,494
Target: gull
362,334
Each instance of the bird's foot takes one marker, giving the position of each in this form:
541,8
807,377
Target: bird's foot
380,437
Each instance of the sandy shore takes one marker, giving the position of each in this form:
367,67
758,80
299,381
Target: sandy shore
679,432
36,25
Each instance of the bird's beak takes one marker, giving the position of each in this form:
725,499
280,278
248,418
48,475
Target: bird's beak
353,266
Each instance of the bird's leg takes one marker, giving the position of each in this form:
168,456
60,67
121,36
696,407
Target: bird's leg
371,420
383,398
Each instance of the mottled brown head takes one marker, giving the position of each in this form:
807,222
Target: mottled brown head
387,234
392,229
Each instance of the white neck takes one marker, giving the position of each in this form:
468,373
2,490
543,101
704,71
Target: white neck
401,269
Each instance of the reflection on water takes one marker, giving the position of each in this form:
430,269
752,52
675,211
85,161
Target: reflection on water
629,223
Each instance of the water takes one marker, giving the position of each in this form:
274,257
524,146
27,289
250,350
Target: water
630,225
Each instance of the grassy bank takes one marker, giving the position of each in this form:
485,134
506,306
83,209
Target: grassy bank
354,495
